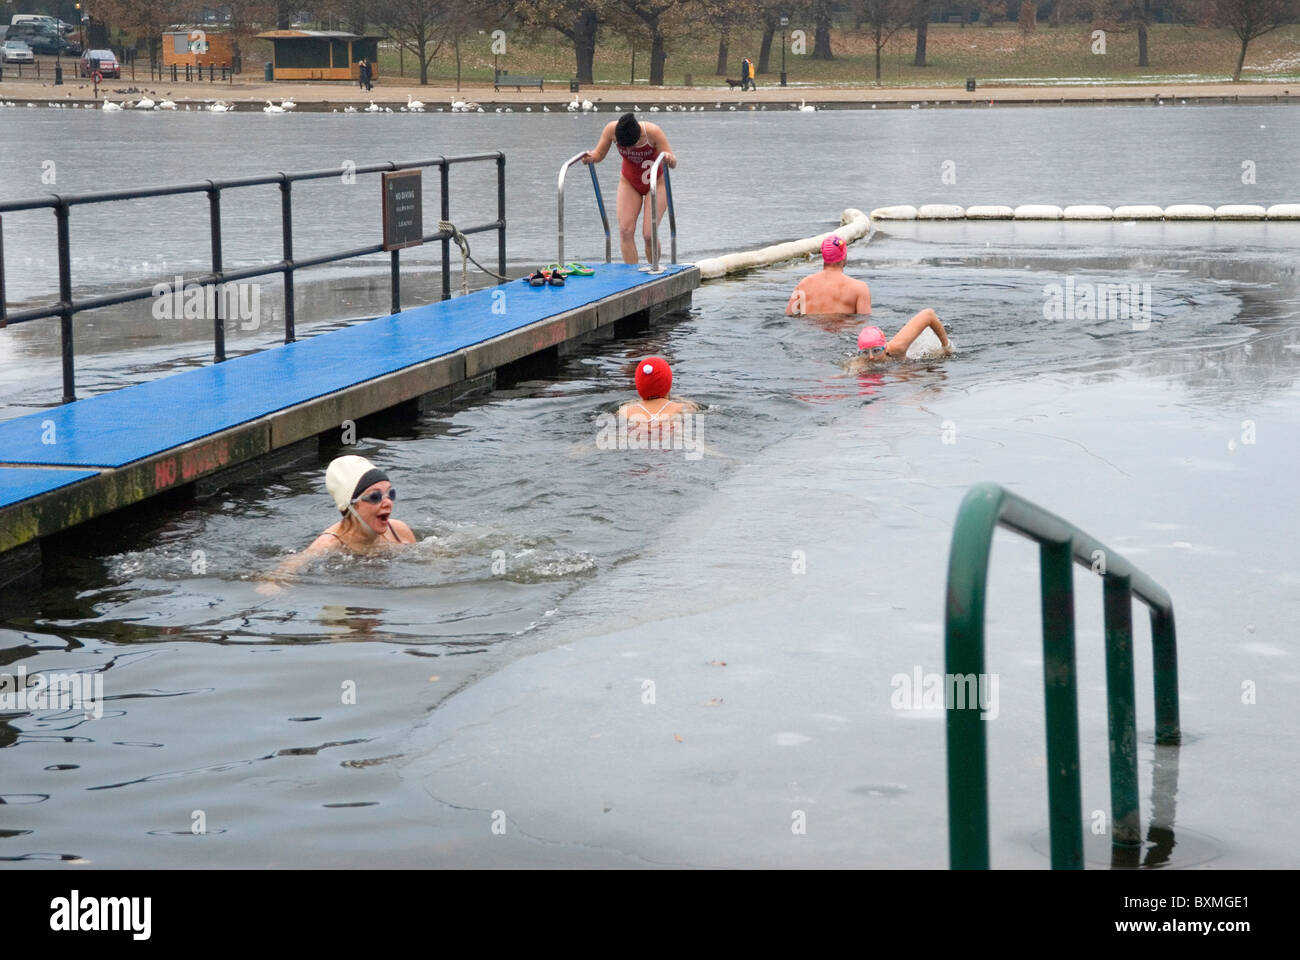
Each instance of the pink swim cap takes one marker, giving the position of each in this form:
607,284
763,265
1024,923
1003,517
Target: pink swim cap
834,249
870,338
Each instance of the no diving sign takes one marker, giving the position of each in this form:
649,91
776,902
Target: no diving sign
403,210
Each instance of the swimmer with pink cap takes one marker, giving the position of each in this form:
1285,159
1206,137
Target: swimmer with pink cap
874,348
830,291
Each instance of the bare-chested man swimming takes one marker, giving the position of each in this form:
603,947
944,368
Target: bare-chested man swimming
832,290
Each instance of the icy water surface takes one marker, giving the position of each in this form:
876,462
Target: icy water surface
768,592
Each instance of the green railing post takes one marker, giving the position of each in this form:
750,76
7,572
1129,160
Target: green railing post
986,507
1121,711
1061,704
968,800
1165,664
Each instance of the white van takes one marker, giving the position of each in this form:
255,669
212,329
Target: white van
53,23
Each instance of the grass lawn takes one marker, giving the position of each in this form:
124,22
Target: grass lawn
991,54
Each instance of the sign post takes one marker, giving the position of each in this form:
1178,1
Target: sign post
403,220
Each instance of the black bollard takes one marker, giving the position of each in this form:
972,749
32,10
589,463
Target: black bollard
58,74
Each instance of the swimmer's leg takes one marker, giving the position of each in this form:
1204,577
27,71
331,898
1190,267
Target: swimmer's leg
912,329
645,222
628,207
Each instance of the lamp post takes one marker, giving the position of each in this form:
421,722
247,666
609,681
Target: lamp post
785,22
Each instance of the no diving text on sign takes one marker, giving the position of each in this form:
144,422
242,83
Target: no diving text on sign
403,210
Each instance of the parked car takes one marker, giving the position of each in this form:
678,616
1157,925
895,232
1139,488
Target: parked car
49,45
108,65
15,51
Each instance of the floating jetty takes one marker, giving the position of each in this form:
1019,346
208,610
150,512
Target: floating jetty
203,429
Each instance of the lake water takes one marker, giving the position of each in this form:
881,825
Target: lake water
639,658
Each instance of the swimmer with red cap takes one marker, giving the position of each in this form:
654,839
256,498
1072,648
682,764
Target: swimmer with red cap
832,290
655,410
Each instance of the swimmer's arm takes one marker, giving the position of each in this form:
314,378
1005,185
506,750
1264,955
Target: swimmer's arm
602,147
290,565
912,329
662,143
795,307
864,301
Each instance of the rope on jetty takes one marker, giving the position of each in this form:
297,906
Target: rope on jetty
854,225
446,226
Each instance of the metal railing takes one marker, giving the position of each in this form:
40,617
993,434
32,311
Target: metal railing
66,307
654,209
985,508
600,203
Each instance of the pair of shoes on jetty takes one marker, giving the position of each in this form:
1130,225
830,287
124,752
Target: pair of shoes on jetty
553,274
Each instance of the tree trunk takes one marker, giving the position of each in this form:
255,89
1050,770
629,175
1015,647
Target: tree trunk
879,44
584,43
1241,60
822,40
765,48
1142,33
657,57
722,56
421,44
922,31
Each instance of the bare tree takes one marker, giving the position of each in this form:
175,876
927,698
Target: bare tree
578,21
885,18
1028,15
1248,19
654,18
424,27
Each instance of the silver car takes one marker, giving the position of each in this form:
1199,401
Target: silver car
15,51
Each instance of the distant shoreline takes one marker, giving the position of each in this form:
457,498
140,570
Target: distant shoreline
330,96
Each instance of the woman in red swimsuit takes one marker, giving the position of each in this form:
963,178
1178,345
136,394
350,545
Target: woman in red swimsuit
640,145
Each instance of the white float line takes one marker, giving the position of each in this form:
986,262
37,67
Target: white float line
1039,211
854,225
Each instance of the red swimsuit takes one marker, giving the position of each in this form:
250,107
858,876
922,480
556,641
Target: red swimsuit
637,162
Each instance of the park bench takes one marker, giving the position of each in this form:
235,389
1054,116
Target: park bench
504,78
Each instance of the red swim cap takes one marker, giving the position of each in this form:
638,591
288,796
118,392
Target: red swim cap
654,378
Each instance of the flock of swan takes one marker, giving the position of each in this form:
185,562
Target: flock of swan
412,106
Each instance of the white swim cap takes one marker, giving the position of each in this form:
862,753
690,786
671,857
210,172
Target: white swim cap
346,478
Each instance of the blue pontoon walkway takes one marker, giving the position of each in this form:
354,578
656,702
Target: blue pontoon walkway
65,465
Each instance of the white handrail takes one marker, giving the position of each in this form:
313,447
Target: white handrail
600,202
654,210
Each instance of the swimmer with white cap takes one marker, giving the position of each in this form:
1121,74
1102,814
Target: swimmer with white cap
364,496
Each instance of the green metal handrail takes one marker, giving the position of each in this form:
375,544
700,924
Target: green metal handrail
986,507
